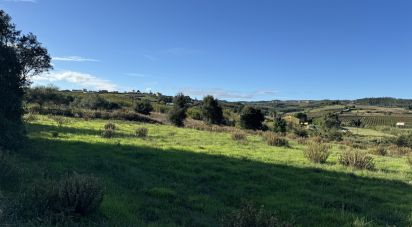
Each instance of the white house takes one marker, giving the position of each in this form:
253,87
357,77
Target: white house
400,124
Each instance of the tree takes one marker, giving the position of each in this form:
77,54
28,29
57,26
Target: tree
303,117
143,107
279,125
211,110
330,121
251,118
21,56
178,113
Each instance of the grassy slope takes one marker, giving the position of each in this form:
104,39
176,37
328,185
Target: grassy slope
182,176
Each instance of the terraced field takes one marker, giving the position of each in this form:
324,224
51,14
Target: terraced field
370,121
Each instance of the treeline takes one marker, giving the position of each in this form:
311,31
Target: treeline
385,102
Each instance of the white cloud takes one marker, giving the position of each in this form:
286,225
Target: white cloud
75,59
84,80
226,94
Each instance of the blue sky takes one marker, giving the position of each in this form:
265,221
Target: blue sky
235,50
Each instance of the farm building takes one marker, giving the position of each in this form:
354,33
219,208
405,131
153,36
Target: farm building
401,124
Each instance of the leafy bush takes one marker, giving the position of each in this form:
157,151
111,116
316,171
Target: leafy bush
143,107
142,132
332,135
251,118
178,113
238,136
404,141
195,113
211,110
301,132
273,139
80,194
280,125
250,216
95,102
110,126
317,152
356,159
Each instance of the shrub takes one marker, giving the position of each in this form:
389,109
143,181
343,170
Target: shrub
108,133
273,139
279,125
317,152
30,117
380,150
178,113
55,134
409,158
195,113
143,107
301,132
110,126
404,141
142,132
251,118
80,194
356,159
250,216
211,110
94,102
60,121
238,136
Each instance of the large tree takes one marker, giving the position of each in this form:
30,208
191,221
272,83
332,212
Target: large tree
251,118
177,114
21,56
211,110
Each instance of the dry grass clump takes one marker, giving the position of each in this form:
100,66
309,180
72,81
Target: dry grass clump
317,152
357,159
239,136
380,150
141,132
274,139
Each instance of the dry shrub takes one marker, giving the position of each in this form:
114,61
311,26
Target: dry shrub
80,194
274,139
357,159
110,126
380,150
249,215
239,136
317,152
302,140
399,151
142,132
318,139
409,158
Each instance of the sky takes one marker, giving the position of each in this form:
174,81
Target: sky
232,49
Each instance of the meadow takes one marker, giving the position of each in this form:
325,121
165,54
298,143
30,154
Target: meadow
180,176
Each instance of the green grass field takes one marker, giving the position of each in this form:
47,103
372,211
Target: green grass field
179,176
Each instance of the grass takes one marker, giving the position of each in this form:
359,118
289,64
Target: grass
180,176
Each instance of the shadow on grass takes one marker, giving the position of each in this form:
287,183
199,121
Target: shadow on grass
176,187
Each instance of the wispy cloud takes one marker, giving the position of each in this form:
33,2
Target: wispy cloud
227,94
136,75
83,80
74,59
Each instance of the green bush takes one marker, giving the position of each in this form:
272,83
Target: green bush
251,118
80,194
195,113
142,132
301,132
177,114
357,159
317,152
250,216
143,107
280,125
211,110
273,139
